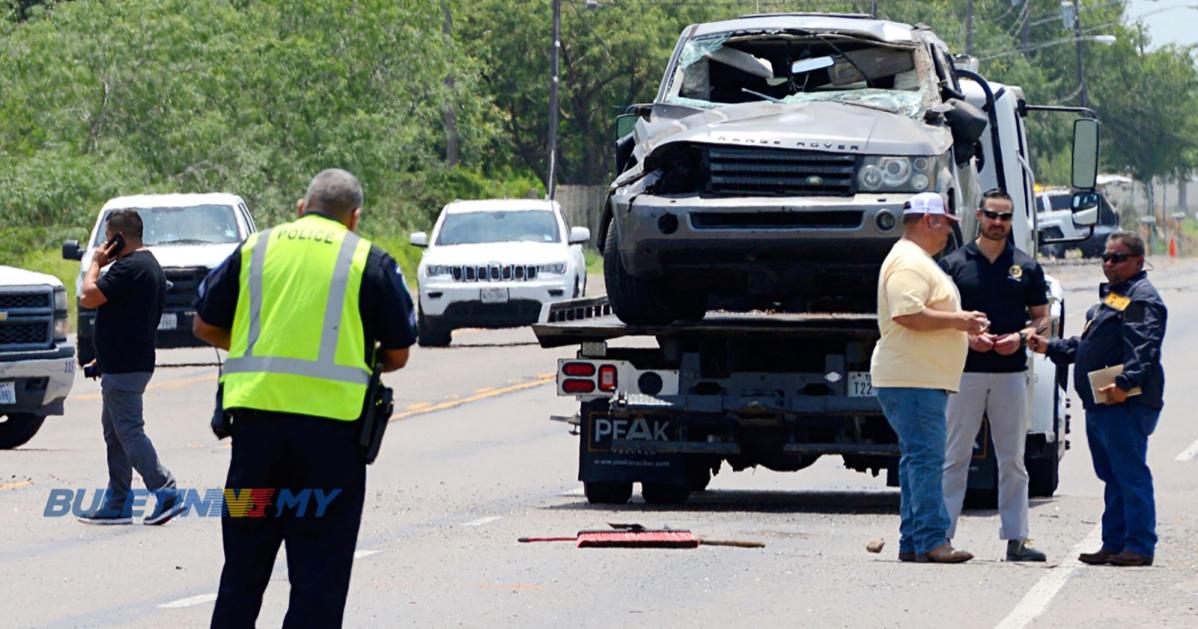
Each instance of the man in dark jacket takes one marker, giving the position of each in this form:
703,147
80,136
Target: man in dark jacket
1125,328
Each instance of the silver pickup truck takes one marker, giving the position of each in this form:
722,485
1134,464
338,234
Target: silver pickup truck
37,361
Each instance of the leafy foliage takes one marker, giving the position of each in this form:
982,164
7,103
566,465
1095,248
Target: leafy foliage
101,98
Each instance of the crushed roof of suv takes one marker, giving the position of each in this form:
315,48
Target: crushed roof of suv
883,30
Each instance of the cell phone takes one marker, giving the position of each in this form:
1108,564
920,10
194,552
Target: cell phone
119,240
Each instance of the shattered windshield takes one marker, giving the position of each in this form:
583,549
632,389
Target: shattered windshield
720,70
207,224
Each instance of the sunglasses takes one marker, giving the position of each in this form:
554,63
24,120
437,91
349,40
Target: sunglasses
998,216
1115,257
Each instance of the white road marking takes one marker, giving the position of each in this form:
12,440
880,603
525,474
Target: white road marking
190,601
1037,599
575,492
358,554
482,521
1189,454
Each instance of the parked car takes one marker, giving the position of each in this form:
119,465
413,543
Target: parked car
1055,219
189,234
493,264
37,361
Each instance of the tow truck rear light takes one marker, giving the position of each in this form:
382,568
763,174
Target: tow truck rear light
578,370
607,378
577,385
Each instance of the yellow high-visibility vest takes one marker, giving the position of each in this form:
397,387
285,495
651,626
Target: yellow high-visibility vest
297,342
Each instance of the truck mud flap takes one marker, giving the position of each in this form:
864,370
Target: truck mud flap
629,448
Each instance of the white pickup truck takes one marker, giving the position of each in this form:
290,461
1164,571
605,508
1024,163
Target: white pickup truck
37,362
189,234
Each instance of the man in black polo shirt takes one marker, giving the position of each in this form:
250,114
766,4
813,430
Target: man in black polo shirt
1008,285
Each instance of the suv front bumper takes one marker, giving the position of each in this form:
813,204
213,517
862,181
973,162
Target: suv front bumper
459,304
806,253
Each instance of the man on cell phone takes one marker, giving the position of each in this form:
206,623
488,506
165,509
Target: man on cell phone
128,299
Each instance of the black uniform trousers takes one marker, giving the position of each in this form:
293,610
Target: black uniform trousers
296,452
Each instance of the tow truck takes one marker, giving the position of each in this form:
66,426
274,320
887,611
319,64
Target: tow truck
668,405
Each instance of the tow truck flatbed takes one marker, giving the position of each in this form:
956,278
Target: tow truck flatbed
590,320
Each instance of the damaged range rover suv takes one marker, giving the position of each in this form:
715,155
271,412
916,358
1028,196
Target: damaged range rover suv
771,169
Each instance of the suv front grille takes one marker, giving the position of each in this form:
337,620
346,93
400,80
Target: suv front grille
756,171
494,273
183,286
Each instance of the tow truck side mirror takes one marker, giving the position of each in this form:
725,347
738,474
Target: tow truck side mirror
419,239
70,250
1085,154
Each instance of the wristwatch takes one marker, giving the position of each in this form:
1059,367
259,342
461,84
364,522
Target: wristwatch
1023,339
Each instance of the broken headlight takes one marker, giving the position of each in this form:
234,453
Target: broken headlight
898,174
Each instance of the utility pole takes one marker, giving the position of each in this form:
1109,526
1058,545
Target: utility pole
969,27
551,184
873,8
1077,40
448,111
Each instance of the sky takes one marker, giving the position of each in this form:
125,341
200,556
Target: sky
1176,25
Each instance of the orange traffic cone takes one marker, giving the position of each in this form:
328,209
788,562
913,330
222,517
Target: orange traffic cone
1173,246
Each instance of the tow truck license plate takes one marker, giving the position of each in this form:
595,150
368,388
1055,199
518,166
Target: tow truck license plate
493,295
169,321
8,392
860,384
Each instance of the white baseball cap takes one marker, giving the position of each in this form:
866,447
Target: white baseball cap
928,203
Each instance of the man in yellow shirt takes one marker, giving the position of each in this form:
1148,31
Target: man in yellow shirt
916,362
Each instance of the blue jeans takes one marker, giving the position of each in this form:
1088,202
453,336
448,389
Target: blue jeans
917,417
1118,437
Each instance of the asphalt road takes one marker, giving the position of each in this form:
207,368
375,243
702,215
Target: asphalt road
472,463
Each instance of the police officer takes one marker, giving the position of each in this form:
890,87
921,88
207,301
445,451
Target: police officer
1125,328
300,308
1008,285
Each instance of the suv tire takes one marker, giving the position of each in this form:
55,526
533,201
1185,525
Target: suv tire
429,334
18,429
640,301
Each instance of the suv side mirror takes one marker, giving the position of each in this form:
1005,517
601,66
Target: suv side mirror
1085,154
419,239
70,250
1084,206
580,235
625,123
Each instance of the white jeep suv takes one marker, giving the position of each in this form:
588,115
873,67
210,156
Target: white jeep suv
494,263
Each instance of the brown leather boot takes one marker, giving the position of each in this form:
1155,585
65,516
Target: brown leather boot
1128,558
944,553
1102,557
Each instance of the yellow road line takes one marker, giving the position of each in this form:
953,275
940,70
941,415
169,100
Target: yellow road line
169,384
15,485
448,404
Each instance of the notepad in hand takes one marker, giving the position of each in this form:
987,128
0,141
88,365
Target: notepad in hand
1102,377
